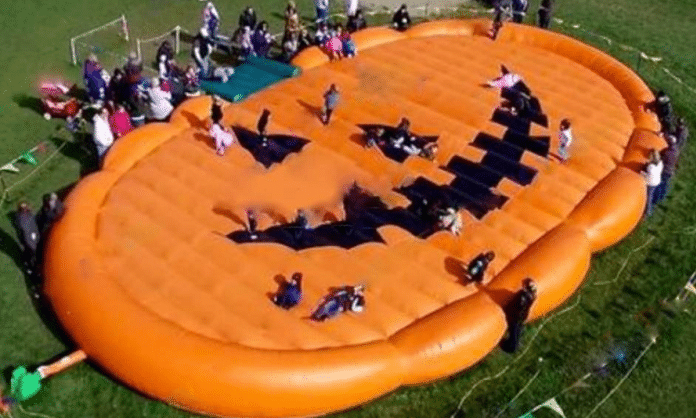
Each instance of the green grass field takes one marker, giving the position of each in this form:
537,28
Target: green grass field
614,304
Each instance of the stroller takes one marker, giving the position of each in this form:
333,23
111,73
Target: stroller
56,103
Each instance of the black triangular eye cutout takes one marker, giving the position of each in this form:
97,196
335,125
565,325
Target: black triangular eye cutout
271,151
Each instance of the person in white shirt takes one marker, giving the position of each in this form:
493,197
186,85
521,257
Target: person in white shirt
322,7
102,135
351,7
451,220
507,80
223,137
160,101
565,139
653,178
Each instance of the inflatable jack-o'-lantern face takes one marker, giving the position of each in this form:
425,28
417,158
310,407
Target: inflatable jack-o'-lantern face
155,275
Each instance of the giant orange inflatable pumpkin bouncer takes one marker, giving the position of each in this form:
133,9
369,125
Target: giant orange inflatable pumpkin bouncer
143,274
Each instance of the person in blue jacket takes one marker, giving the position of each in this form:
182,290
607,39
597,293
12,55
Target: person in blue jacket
290,293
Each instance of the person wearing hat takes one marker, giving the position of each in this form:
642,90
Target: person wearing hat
248,18
50,212
544,14
517,312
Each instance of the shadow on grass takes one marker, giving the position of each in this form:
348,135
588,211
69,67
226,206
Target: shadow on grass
33,284
81,149
28,102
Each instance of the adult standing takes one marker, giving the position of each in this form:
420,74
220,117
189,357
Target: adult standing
517,312
356,22
682,133
519,10
102,135
211,19
160,101
670,158
28,235
322,8
351,8
545,13
202,48
653,178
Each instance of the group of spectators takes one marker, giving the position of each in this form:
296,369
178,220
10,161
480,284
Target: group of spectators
663,164
516,11
252,37
126,98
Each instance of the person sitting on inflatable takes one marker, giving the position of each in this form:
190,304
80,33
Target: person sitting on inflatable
290,293
347,298
223,137
451,220
507,80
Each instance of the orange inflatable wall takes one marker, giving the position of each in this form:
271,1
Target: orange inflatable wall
139,239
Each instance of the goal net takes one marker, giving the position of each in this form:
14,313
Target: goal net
110,42
147,48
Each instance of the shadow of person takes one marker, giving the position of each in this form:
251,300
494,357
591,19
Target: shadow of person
206,139
456,268
229,214
80,149
314,110
28,102
193,120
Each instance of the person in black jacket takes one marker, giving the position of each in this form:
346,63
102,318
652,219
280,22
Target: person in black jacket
248,18
401,20
517,312
662,107
28,235
545,13
262,124
356,22
50,212
519,10
216,110
477,267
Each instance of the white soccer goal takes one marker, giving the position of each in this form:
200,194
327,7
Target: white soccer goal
147,48
110,38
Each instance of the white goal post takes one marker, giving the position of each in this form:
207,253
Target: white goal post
175,32
123,28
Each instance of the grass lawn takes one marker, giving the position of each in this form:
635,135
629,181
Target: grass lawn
615,303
